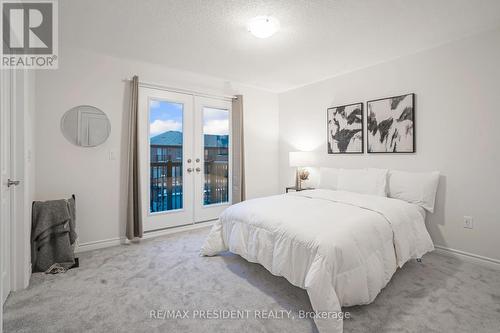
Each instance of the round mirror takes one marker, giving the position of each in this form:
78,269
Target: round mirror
85,126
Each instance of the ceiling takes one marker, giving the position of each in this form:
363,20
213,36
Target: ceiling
318,38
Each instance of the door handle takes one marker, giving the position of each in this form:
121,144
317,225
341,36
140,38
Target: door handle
11,182
189,170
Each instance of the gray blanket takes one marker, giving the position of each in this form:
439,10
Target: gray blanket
52,234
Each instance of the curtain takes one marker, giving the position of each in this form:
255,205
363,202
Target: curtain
134,214
238,151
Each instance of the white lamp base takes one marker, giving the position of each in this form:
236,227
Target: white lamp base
297,180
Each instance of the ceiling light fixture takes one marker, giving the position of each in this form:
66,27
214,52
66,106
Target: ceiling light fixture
263,26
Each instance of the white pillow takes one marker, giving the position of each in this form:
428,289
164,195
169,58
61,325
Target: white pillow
328,178
365,181
414,187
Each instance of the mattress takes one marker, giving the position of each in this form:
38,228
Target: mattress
342,247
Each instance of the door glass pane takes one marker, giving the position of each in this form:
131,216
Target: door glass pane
165,140
216,152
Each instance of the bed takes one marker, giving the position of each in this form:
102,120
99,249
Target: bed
341,246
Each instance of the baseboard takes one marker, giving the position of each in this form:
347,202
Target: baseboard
469,257
95,245
101,244
173,230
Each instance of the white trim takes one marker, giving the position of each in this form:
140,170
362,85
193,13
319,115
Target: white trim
469,257
173,230
21,201
99,244
182,91
16,192
104,243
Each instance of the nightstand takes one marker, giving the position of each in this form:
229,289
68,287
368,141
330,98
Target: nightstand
293,188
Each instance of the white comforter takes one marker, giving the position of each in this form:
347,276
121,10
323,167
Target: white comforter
342,247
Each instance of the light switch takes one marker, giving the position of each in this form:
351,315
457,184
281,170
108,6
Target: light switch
468,222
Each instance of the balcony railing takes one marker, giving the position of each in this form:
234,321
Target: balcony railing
166,171
166,186
216,188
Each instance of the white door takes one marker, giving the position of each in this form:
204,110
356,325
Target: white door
212,158
166,158
184,154
5,188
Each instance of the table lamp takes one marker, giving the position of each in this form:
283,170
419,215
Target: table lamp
301,159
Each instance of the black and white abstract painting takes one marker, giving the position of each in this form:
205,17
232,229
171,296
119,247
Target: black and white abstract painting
345,129
391,125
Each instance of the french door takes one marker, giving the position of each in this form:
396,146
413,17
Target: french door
185,154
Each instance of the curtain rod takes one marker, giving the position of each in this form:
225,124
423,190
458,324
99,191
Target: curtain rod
182,91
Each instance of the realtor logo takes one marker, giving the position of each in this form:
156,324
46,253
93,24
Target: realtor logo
29,34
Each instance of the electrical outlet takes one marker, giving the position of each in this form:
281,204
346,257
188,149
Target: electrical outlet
468,222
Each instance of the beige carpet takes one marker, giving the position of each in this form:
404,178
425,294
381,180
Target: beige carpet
116,290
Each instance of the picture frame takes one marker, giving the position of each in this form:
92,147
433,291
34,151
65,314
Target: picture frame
345,129
391,124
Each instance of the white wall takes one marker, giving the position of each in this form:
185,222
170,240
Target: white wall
98,182
457,115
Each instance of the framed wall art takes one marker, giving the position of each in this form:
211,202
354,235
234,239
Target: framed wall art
391,125
345,129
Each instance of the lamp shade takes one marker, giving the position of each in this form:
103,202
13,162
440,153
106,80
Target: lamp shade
301,159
